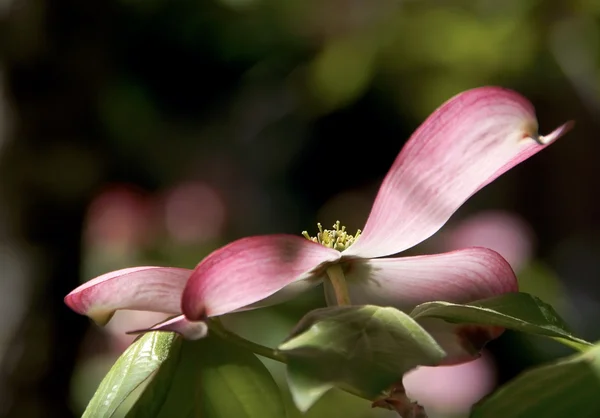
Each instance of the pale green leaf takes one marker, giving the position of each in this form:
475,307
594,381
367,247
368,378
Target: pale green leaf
517,311
305,388
210,378
361,349
567,388
134,366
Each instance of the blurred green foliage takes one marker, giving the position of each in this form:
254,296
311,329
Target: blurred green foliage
287,110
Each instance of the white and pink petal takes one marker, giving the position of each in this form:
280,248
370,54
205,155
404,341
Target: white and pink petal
465,144
250,270
460,276
404,282
156,289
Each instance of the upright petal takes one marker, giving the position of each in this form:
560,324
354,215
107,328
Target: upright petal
156,289
403,282
464,145
251,269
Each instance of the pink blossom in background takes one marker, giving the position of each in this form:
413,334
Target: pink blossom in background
119,218
502,231
193,212
447,391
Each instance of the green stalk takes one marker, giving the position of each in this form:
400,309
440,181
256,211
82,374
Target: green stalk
581,345
215,325
338,281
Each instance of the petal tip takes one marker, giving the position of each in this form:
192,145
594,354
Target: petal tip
498,263
557,133
567,126
74,302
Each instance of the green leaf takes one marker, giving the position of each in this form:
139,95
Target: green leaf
306,389
517,311
210,378
361,349
134,366
567,388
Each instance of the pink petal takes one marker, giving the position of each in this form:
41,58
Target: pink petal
464,145
191,330
461,342
249,270
404,282
156,289
459,276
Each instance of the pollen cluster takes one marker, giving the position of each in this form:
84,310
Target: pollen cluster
336,238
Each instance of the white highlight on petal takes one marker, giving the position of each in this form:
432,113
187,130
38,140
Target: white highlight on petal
463,146
459,276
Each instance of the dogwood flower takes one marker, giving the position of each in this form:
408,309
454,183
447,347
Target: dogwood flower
464,145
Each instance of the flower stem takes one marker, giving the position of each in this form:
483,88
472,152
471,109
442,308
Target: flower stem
215,325
338,281
580,345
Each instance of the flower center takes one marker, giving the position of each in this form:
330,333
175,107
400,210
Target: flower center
336,238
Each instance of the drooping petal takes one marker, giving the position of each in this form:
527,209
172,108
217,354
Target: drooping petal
156,289
403,282
464,145
459,276
461,342
251,269
191,330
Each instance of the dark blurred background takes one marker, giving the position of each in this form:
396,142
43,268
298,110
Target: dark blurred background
150,132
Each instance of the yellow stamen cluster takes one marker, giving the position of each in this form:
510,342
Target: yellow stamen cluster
336,238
